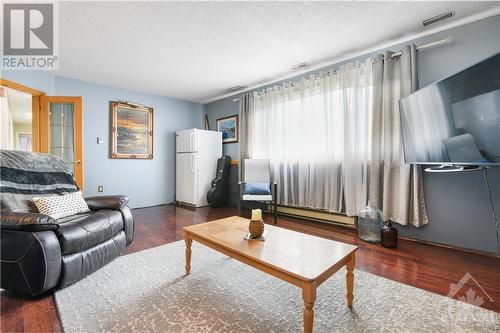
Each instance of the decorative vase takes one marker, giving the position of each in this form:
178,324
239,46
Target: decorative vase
256,225
256,228
389,235
369,224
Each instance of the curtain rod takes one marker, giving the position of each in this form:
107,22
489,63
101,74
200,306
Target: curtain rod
445,41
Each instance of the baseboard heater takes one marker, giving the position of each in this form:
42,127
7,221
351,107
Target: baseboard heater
318,215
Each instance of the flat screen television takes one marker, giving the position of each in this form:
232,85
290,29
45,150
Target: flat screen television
455,121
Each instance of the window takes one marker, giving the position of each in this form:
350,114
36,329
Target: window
317,134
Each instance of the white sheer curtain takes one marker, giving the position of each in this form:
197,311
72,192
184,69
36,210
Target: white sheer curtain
7,125
24,142
317,133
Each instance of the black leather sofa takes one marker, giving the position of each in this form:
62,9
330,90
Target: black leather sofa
38,254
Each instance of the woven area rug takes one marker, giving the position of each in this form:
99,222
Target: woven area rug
148,292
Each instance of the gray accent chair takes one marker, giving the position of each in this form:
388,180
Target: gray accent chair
258,171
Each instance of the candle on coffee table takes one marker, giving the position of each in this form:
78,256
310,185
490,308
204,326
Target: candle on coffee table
256,215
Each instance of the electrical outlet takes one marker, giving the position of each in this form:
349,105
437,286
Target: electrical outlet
100,140
100,188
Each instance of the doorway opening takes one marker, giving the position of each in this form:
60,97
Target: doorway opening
16,120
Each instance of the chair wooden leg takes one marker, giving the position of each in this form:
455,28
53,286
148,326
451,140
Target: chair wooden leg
275,202
275,211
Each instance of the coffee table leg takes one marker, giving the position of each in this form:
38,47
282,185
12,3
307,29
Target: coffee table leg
188,253
350,280
309,296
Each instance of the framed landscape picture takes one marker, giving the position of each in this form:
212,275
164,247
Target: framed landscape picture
131,131
229,128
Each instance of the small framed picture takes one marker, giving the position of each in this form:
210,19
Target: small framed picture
229,128
131,131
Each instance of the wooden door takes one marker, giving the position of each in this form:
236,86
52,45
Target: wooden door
61,127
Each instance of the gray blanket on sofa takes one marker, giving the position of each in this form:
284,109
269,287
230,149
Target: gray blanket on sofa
24,175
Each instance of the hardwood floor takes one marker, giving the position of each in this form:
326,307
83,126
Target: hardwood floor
424,266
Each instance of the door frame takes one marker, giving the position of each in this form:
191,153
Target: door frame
35,110
40,122
78,130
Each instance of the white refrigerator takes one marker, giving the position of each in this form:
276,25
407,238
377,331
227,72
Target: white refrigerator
197,152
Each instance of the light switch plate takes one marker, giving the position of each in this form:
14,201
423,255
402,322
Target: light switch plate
100,140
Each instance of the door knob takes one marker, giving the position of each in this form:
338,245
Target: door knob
78,162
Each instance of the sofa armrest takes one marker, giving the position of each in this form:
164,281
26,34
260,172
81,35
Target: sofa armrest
29,222
128,224
115,202
30,262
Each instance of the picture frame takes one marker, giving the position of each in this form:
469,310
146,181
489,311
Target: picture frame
229,128
131,131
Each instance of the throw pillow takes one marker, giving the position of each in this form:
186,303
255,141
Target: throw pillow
61,205
257,188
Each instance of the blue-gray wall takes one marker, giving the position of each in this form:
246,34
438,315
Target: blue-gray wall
219,109
458,204
147,182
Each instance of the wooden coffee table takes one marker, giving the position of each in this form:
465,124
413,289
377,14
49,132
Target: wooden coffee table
303,260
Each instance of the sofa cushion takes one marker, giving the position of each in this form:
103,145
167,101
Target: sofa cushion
76,266
83,231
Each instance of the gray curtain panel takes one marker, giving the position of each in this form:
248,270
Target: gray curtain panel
243,134
395,187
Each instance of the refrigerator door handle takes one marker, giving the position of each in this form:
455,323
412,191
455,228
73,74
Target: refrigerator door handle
191,135
192,163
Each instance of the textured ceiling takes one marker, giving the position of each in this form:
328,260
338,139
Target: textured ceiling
197,50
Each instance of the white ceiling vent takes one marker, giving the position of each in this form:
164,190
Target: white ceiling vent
437,18
302,65
236,88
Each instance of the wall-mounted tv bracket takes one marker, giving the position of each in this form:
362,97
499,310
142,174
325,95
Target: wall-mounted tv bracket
454,168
